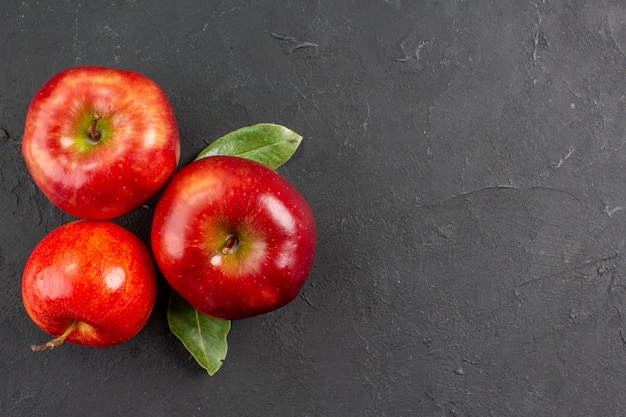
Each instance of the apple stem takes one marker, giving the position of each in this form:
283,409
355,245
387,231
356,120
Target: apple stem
93,132
58,341
231,241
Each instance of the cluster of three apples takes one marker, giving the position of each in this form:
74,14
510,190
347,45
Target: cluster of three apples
230,235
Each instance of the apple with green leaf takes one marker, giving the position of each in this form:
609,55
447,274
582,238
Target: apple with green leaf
99,142
90,283
233,236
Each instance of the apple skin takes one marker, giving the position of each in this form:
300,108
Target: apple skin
233,237
94,272
137,151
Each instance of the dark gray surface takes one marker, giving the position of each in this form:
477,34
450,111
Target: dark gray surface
465,161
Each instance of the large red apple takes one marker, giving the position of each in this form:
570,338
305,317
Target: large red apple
233,237
91,283
99,141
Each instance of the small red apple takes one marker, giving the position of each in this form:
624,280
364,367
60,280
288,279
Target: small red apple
99,142
91,283
233,237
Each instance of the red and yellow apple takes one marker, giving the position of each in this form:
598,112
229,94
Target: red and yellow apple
90,283
99,142
233,237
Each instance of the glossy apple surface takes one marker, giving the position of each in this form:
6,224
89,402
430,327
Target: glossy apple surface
233,237
99,142
93,275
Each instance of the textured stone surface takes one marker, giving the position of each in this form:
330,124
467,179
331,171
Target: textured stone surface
465,161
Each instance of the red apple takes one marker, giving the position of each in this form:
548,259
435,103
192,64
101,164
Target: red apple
233,237
99,141
91,283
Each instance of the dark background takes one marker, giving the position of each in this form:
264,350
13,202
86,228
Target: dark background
465,161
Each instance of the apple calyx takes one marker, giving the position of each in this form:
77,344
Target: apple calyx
94,135
232,242
57,341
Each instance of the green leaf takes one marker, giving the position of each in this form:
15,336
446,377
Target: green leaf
203,336
267,143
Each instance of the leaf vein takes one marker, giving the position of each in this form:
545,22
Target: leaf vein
200,334
260,148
